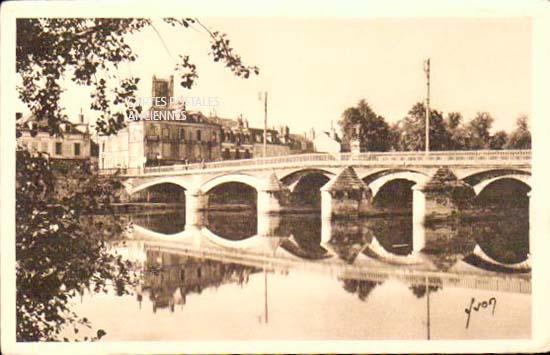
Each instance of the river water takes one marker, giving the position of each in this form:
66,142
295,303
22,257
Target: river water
308,279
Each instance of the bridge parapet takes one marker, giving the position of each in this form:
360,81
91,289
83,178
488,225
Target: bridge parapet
437,158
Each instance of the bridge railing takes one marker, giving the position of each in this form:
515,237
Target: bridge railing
451,156
440,157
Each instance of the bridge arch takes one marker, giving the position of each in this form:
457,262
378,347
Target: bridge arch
413,176
305,185
524,178
249,180
162,180
304,171
478,175
292,178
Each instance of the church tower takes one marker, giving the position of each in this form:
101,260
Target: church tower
163,88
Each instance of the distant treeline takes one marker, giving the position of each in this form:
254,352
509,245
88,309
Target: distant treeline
447,132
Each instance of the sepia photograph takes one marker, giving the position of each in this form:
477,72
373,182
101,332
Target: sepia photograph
226,178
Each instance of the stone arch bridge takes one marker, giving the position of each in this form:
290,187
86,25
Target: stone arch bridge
352,180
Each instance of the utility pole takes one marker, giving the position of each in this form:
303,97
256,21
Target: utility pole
427,71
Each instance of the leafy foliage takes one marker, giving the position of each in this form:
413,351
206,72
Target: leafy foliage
520,138
478,131
88,51
374,130
457,132
498,140
60,249
446,133
413,128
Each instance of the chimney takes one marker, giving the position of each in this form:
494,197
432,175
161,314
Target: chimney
170,90
81,116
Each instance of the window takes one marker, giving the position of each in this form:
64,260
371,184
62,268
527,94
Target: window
166,133
182,134
103,146
199,138
45,147
58,148
77,149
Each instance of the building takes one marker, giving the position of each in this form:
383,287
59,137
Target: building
151,143
240,141
327,142
74,144
300,144
194,138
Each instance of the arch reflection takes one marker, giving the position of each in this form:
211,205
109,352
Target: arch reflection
163,222
499,245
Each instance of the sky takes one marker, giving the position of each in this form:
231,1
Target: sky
313,69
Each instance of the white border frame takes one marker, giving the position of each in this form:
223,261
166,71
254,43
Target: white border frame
537,10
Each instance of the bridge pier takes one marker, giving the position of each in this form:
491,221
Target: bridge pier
195,204
268,202
419,218
270,196
441,197
345,196
326,230
268,225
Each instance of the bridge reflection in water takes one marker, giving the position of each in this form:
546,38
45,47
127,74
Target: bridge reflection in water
305,277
